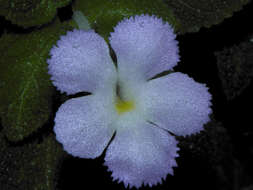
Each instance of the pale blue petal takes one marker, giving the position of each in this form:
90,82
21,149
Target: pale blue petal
141,154
176,103
81,62
84,125
145,46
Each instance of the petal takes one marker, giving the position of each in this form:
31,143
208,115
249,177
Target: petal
177,103
84,125
81,62
144,155
145,46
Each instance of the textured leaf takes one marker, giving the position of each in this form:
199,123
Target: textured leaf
31,166
194,14
29,13
103,15
25,86
235,65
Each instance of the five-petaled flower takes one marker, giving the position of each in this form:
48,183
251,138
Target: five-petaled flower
126,99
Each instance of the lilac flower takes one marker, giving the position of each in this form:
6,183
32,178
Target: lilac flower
124,99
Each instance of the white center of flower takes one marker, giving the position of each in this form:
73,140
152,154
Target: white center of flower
122,106
123,103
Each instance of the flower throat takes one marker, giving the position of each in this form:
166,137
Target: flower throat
122,106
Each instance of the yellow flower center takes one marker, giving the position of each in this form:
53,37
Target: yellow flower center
124,106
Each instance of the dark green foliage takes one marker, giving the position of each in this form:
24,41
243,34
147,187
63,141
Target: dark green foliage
31,166
25,86
29,13
235,65
103,15
194,14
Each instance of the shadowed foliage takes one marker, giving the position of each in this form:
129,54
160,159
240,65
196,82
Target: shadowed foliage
194,14
29,13
25,86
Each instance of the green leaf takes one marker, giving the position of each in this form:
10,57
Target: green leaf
103,15
25,86
32,166
194,14
29,13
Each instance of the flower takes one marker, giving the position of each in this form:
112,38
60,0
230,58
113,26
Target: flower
126,99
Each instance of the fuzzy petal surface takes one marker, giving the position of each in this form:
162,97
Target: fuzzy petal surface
177,103
145,46
141,154
84,125
80,61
